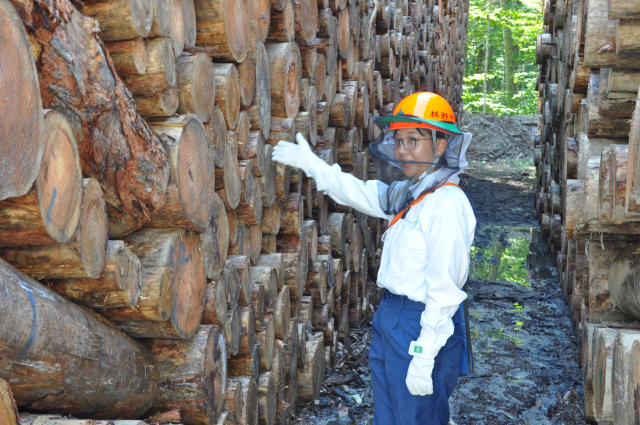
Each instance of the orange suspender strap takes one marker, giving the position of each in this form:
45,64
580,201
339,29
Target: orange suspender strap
401,213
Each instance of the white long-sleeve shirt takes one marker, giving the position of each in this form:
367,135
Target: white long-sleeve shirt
426,254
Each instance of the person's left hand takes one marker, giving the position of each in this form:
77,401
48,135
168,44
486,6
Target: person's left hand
419,380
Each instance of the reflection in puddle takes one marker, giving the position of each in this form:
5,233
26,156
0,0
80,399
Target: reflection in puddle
502,262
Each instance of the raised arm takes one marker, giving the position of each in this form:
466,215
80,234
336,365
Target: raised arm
344,188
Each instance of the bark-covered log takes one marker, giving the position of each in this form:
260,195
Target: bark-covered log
311,373
197,85
118,285
180,250
282,25
266,339
267,277
83,256
217,130
247,77
50,212
215,303
22,142
286,78
215,240
190,201
176,27
131,166
155,301
233,397
8,408
227,92
249,412
129,56
223,28
266,398
192,375
65,380
282,313
121,19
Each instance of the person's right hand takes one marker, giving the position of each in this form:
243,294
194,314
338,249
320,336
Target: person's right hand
295,155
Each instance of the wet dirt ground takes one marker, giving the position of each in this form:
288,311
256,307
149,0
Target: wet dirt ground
524,344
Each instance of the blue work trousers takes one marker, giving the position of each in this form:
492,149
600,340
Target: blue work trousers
395,324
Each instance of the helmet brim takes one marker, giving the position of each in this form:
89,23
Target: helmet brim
445,127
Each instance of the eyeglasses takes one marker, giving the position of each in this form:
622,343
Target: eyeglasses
408,143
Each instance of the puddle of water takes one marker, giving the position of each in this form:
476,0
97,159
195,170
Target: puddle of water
500,261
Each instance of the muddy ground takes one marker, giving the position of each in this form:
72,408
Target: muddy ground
524,344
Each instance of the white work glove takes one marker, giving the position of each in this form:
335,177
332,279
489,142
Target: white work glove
295,155
419,374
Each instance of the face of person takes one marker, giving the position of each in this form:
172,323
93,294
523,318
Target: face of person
423,151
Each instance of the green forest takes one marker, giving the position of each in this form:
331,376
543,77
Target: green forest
501,44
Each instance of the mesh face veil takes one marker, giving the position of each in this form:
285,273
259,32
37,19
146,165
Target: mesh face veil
398,191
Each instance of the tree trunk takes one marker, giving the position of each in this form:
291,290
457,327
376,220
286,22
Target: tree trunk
215,303
129,56
155,301
248,414
119,284
267,277
286,78
282,26
83,256
190,201
223,30
233,397
8,408
19,167
266,399
227,92
265,338
180,250
311,373
78,367
197,85
192,375
282,314
132,166
50,212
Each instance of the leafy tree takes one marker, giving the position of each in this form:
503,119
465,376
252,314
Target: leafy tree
511,74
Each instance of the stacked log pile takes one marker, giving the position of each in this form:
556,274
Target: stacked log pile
154,262
588,193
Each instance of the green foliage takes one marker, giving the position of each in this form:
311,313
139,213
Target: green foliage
509,265
525,21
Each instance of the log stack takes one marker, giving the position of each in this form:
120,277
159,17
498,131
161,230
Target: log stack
179,269
587,163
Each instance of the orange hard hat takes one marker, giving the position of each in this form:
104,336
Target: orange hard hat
422,110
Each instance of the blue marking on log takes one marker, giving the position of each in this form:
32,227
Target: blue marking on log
53,200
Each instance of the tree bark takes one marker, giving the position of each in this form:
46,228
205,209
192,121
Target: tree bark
50,212
190,201
197,85
248,414
180,250
223,30
83,256
192,375
286,78
21,143
72,388
118,285
115,144
227,92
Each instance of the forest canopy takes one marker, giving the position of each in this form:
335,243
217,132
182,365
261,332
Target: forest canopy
511,27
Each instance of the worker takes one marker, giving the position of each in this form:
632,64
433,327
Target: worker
418,339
